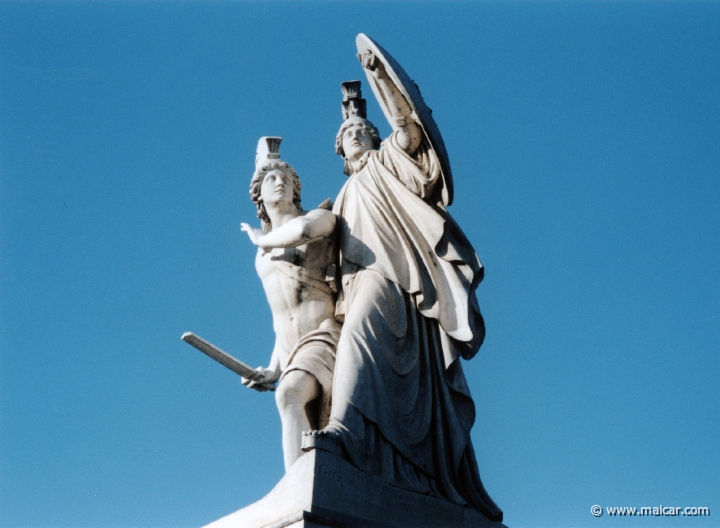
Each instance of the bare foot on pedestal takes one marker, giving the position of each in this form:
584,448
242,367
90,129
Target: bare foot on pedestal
327,439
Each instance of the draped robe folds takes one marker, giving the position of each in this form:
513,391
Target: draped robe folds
401,404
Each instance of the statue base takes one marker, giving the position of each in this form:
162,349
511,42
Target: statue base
323,490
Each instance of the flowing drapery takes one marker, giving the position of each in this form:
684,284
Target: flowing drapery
400,399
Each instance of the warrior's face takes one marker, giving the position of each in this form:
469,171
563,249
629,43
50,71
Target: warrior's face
277,187
357,139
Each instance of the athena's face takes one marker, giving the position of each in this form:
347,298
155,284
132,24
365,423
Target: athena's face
277,187
356,141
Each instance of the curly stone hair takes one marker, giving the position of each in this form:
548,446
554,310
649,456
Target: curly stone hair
256,185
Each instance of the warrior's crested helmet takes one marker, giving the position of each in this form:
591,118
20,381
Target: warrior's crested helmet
267,158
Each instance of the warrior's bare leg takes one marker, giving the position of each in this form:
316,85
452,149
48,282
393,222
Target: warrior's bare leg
297,389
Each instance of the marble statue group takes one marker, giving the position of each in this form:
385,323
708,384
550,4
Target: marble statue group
373,299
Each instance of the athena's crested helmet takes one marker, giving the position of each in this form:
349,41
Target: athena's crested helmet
354,110
353,102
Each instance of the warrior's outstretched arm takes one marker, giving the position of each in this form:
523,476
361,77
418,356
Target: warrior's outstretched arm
315,224
410,133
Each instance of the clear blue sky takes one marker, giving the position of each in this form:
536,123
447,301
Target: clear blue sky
585,144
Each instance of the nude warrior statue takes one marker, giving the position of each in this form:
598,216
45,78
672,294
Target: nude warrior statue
295,249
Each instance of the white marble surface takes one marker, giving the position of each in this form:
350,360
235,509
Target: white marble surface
402,409
295,250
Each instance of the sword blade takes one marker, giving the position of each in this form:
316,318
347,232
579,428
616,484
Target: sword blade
222,357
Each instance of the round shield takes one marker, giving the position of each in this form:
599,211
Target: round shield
422,113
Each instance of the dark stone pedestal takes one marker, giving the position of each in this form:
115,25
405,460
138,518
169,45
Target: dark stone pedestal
323,490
